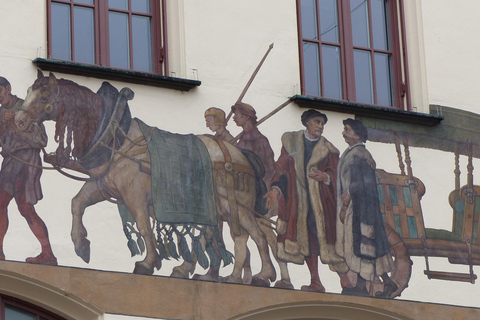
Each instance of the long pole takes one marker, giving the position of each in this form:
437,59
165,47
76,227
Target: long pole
280,107
247,86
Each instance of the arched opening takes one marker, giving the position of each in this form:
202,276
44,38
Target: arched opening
319,311
21,293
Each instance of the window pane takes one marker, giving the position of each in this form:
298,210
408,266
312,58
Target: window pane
332,86
142,43
380,24
363,76
360,33
13,313
118,4
61,45
311,69
119,43
309,19
84,1
329,20
383,79
141,6
84,36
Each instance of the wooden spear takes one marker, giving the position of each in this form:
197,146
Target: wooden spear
270,47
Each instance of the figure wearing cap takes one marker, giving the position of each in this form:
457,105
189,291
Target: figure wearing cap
251,138
361,236
215,120
20,173
304,186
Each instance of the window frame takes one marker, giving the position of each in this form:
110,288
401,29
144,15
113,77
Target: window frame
101,34
23,305
399,64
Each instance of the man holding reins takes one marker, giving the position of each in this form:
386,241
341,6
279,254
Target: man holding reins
20,173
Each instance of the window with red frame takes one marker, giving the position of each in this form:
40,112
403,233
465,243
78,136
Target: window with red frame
123,34
15,309
350,50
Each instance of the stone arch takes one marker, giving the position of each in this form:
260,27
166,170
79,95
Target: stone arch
47,297
319,311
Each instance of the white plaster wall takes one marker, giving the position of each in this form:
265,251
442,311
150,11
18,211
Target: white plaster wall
221,43
451,49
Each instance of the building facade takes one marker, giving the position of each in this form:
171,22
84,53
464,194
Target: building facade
404,68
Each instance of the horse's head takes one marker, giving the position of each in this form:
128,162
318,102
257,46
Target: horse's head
41,102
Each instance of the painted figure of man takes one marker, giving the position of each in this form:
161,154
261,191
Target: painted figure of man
251,139
305,187
20,173
215,120
361,236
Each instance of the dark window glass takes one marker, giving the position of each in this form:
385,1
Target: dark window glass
383,76
312,75
61,41
119,44
84,35
309,19
329,20
13,313
380,26
363,76
118,4
142,43
360,28
141,6
332,72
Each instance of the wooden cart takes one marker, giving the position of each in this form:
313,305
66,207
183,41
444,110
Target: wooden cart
400,196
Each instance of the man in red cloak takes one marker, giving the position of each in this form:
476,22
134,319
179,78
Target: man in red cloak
305,187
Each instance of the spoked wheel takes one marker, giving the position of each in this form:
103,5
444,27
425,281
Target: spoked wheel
403,265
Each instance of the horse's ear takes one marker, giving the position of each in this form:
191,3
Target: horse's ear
39,74
52,79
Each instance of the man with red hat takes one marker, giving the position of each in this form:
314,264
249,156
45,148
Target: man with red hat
251,138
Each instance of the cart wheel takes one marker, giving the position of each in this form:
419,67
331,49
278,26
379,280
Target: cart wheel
403,265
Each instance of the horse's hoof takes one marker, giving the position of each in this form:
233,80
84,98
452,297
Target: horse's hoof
158,263
247,276
179,272
283,284
259,282
230,279
140,268
83,250
204,277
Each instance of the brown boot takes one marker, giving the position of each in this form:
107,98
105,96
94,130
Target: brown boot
42,259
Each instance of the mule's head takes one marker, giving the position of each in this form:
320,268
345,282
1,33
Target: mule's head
41,102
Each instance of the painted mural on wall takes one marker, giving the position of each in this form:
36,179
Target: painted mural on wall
175,192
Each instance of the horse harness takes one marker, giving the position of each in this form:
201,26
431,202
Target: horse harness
231,171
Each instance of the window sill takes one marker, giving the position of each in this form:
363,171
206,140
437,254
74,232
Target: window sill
116,74
367,110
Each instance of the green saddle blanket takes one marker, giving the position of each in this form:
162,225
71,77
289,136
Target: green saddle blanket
182,178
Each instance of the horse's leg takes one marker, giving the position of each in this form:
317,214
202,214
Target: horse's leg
249,224
240,252
138,207
247,268
284,281
88,195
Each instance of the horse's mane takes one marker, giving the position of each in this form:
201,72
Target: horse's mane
79,113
